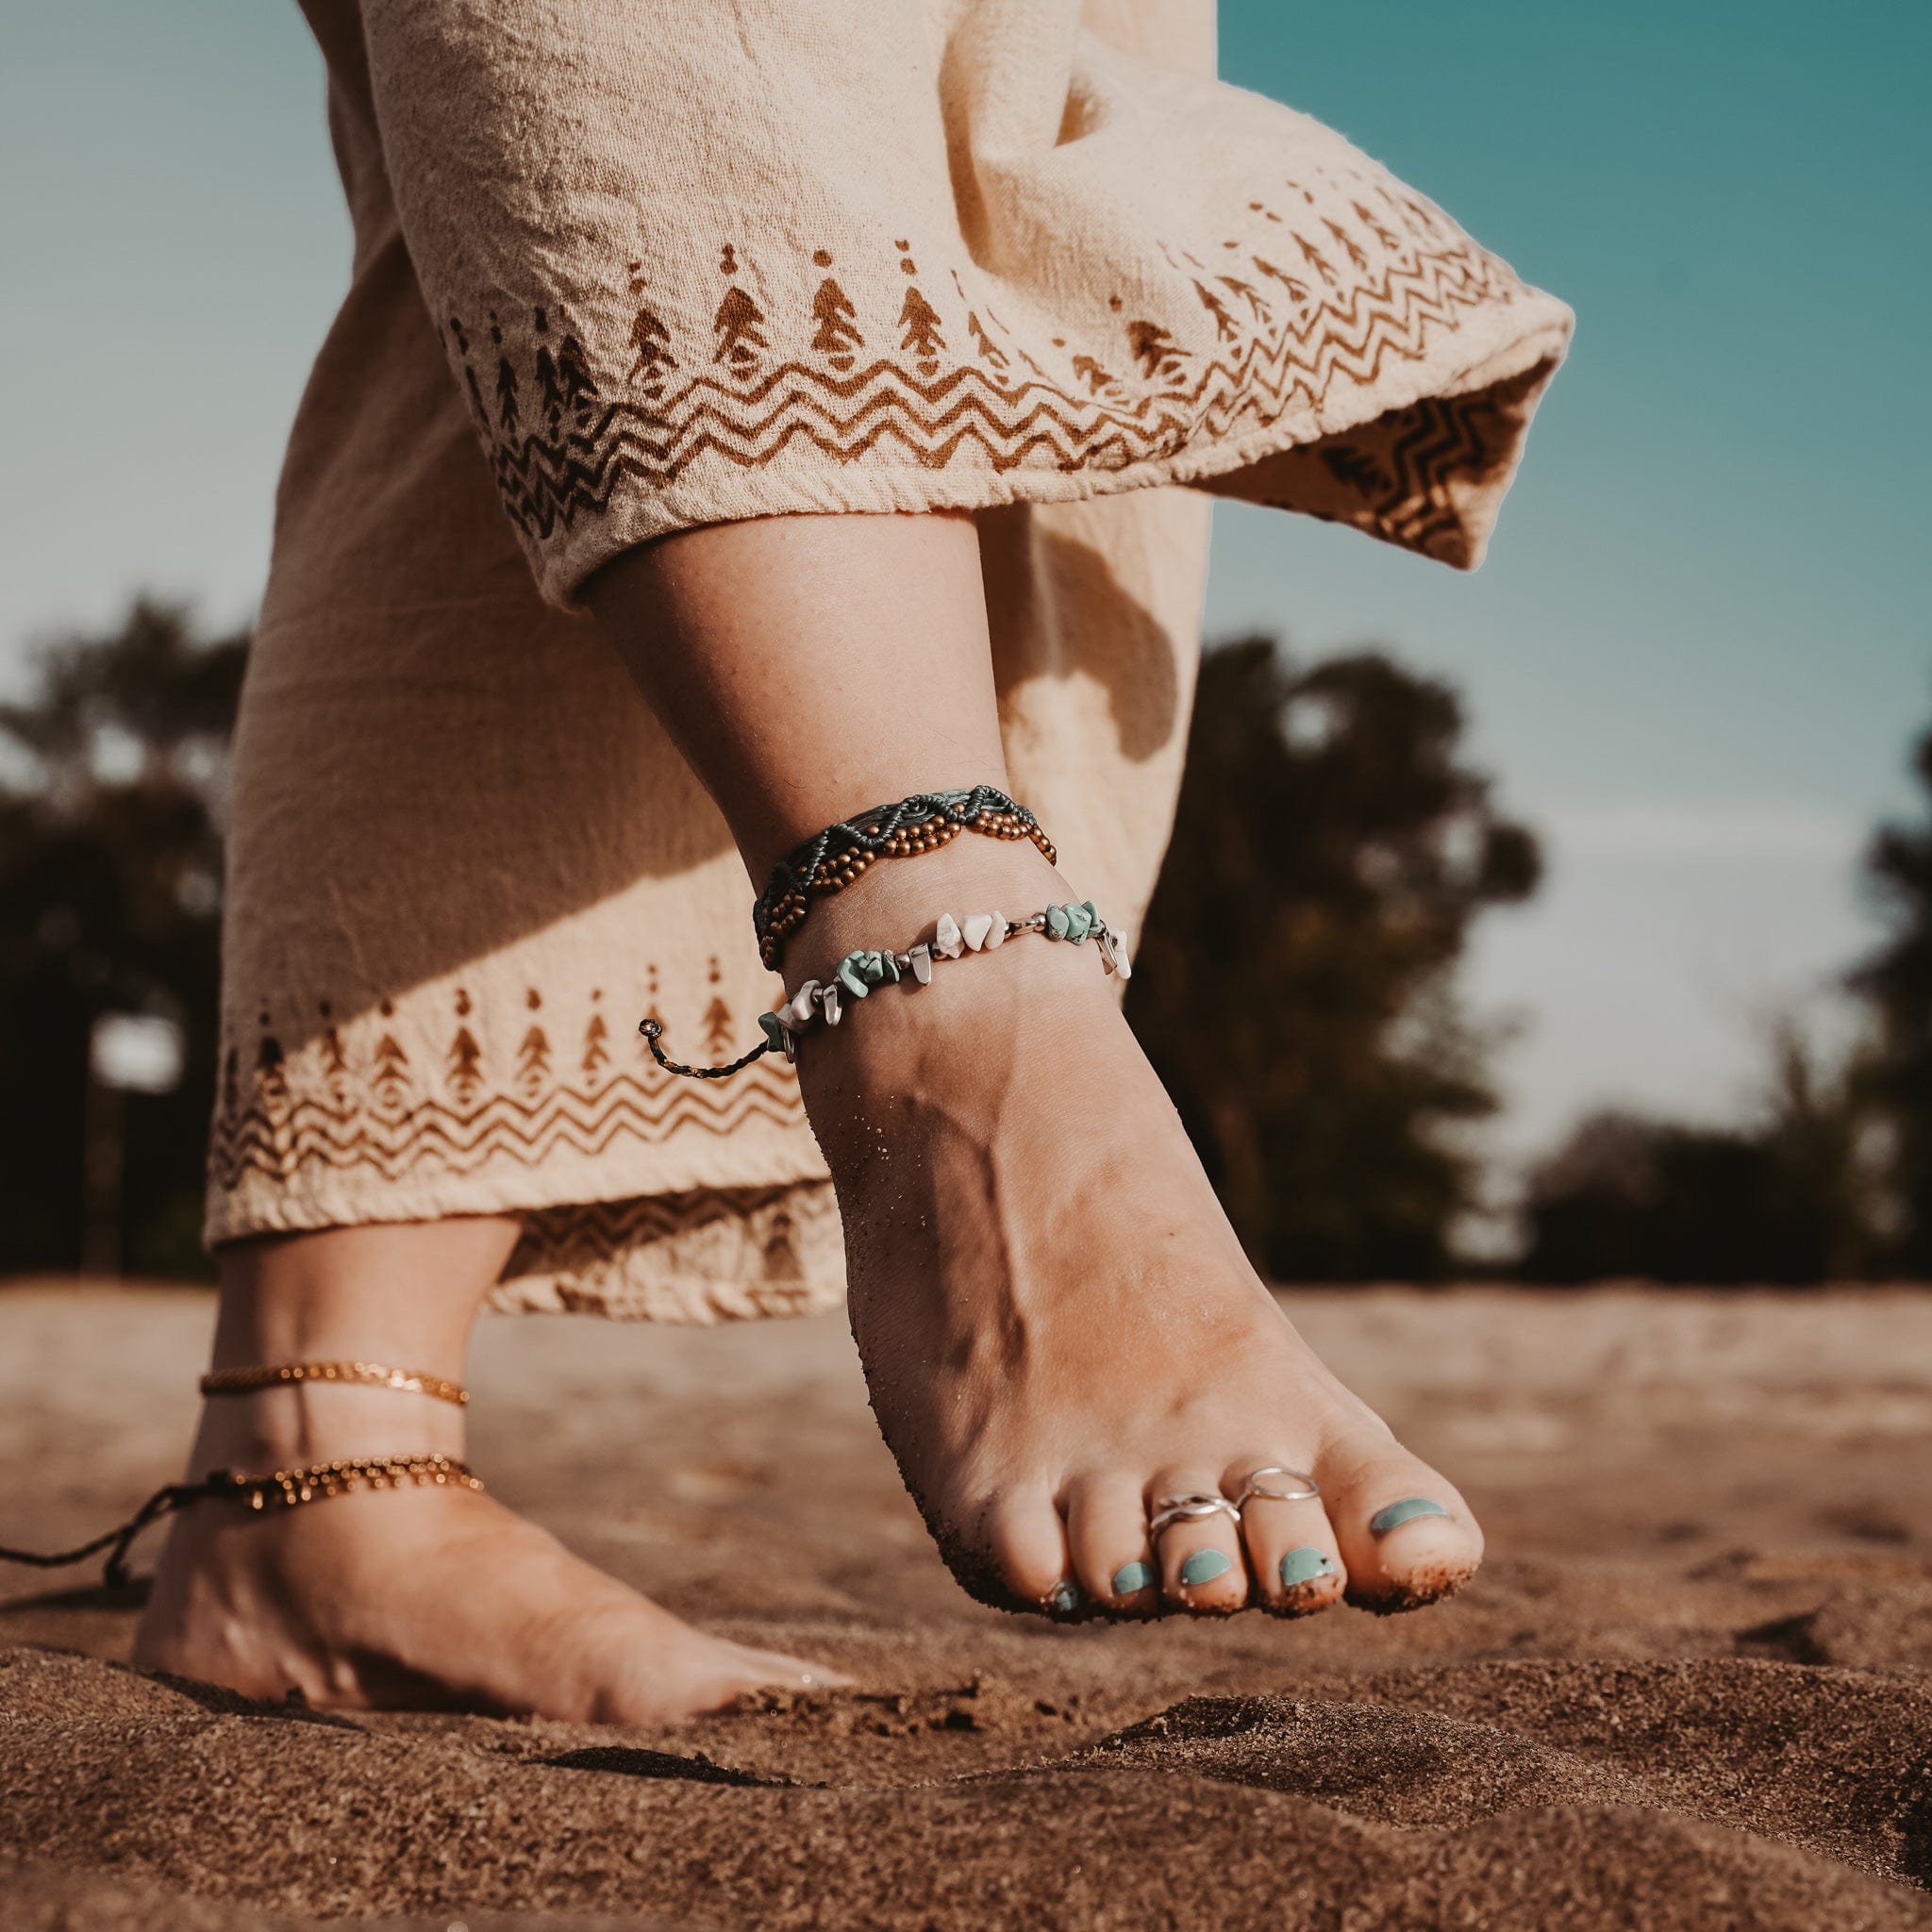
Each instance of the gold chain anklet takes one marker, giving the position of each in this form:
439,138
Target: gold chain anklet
286,1489
857,974
367,1374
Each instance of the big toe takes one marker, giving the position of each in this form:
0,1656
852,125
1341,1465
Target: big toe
1405,1535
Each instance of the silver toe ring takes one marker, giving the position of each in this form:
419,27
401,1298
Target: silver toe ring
1168,1510
1252,1486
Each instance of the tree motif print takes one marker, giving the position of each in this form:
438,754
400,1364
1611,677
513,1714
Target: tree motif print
649,338
1093,375
990,351
464,1070
391,1078
836,335
718,1027
1348,242
575,384
739,325
923,339
1248,293
1298,291
596,1053
1375,228
533,1061
460,336
1226,329
1162,358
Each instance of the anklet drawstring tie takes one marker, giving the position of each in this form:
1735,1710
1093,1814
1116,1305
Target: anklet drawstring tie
857,974
365,1375
286,1488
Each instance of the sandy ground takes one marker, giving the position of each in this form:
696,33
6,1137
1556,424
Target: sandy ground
1692,1688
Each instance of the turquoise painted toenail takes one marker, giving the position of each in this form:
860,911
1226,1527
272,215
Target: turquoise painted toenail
1204,1566
1064,1601
1396,1514
1132,1577
1304,1565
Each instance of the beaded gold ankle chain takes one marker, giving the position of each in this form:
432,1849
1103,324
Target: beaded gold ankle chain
364,1374
285,1488
859,972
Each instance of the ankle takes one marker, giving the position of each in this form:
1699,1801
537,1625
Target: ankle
895,904
294,1427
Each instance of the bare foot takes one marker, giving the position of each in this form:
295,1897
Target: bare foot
419,1597
1056,1322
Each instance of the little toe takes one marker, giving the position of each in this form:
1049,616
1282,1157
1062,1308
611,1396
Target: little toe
1027,1542
1107,1531
1199,1556
1404,1535
1293,1555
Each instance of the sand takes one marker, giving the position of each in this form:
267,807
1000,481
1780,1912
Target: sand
1692,1688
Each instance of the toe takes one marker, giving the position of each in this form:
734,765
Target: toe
1107,1531
1199,1557
1293,1557
773,1669
1027,1542
1404,1535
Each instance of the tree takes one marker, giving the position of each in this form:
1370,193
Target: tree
1897,980
110,900
1787,1197
1294,985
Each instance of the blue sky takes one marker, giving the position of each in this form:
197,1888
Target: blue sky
1704,637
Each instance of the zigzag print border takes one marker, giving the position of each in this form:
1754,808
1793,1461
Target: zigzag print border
278,1139
1291,335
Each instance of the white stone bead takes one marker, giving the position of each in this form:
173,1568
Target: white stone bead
833,1014
947,940
975,930
801,1008
997,937
919,959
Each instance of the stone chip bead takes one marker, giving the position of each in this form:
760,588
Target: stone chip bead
948,942
921,959
984,931
1071,922
801,1008
773,1027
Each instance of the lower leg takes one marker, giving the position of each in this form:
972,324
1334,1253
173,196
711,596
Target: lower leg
411,1596
1058,1327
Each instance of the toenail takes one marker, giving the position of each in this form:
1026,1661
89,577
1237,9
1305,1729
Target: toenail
1064,1601
1132,1578
1204,1566
1396,1514
1304,1565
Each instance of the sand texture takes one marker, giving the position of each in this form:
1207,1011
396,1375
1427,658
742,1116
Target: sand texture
1692,1688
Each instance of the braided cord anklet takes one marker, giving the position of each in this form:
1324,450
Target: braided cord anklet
858,973
286,1489
830,860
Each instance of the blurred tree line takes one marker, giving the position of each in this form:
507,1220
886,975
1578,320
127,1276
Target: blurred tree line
1332,851
113,772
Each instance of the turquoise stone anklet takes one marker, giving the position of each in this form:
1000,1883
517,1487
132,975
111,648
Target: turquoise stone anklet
859,972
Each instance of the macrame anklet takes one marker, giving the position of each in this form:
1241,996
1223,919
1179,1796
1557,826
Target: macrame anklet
857,974
286,1489
831,861
366,1374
